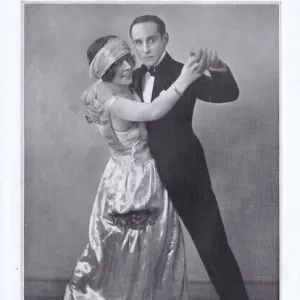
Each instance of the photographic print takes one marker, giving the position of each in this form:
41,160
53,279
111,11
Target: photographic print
151,151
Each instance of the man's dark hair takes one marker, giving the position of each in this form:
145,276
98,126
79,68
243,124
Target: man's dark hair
94,49
149,19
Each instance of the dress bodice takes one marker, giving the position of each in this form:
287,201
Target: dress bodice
130,146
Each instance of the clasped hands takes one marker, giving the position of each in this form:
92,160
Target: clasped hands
209,60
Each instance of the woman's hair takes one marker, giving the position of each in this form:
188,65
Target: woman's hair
94,49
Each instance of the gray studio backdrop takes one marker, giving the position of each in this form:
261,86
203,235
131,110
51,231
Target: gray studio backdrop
65,157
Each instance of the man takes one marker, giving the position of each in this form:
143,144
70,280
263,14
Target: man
178,153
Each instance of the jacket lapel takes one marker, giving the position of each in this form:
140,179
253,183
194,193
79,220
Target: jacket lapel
137,83
163,76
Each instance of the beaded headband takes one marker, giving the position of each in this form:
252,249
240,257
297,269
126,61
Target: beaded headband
112,51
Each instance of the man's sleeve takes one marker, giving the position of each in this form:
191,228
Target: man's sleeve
220,87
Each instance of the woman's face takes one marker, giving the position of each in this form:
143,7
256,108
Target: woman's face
123,69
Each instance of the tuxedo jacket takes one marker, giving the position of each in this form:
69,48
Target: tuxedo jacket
178,153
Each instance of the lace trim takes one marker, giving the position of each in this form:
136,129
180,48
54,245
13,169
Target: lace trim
136,219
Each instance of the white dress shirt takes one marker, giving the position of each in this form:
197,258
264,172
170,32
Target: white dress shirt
148,83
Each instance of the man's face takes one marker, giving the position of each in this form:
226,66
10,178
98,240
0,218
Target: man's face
148,42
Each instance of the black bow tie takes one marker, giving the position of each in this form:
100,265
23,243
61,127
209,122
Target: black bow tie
150,70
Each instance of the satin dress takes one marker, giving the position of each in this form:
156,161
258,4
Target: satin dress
136,247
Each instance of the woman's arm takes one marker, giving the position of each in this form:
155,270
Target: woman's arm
127,109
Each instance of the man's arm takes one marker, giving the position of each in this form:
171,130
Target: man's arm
220,86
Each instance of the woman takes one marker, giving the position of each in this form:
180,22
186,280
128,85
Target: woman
136,248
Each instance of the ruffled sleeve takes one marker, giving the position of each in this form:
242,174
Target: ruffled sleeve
89,95
105,95
99,95
108,103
